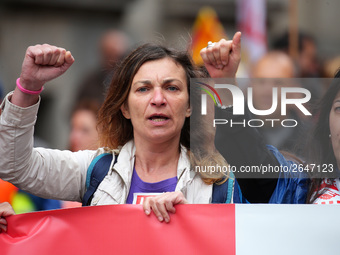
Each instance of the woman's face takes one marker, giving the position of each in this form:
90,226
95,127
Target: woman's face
334,126
158,102
84,135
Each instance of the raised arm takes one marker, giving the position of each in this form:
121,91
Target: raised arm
43,172
240,146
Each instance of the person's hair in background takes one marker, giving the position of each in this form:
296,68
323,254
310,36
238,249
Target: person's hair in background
84,135
320,144
331,67
113,46
307,62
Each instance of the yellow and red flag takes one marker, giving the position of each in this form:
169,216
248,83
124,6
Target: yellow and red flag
207,27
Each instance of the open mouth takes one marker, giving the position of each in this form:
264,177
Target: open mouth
158,118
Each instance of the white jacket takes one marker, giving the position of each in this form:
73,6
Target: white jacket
61,175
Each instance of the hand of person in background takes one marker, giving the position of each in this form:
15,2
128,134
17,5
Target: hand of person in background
222,58
5,211
162,204
41,64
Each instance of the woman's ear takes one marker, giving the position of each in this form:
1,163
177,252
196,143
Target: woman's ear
188,112
125,111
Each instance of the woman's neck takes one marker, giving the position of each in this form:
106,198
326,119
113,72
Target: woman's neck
156,161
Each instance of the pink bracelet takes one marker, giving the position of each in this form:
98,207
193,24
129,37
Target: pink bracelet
31,92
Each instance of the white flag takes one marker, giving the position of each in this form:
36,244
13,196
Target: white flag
251,20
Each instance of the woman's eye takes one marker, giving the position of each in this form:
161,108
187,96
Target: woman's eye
142,89
337,109
172,88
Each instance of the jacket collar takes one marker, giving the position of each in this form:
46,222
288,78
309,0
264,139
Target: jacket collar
126,161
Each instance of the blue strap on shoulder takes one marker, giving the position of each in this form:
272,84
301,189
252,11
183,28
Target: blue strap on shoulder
223,193
96,172
228,192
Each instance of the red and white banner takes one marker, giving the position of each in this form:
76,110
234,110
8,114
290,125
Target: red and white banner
193,229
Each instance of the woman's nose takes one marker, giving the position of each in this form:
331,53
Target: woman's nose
158,98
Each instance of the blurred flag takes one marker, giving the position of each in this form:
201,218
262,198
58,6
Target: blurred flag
251,20
207,27
7,191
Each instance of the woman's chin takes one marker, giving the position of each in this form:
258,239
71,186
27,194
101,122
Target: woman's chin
162,137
